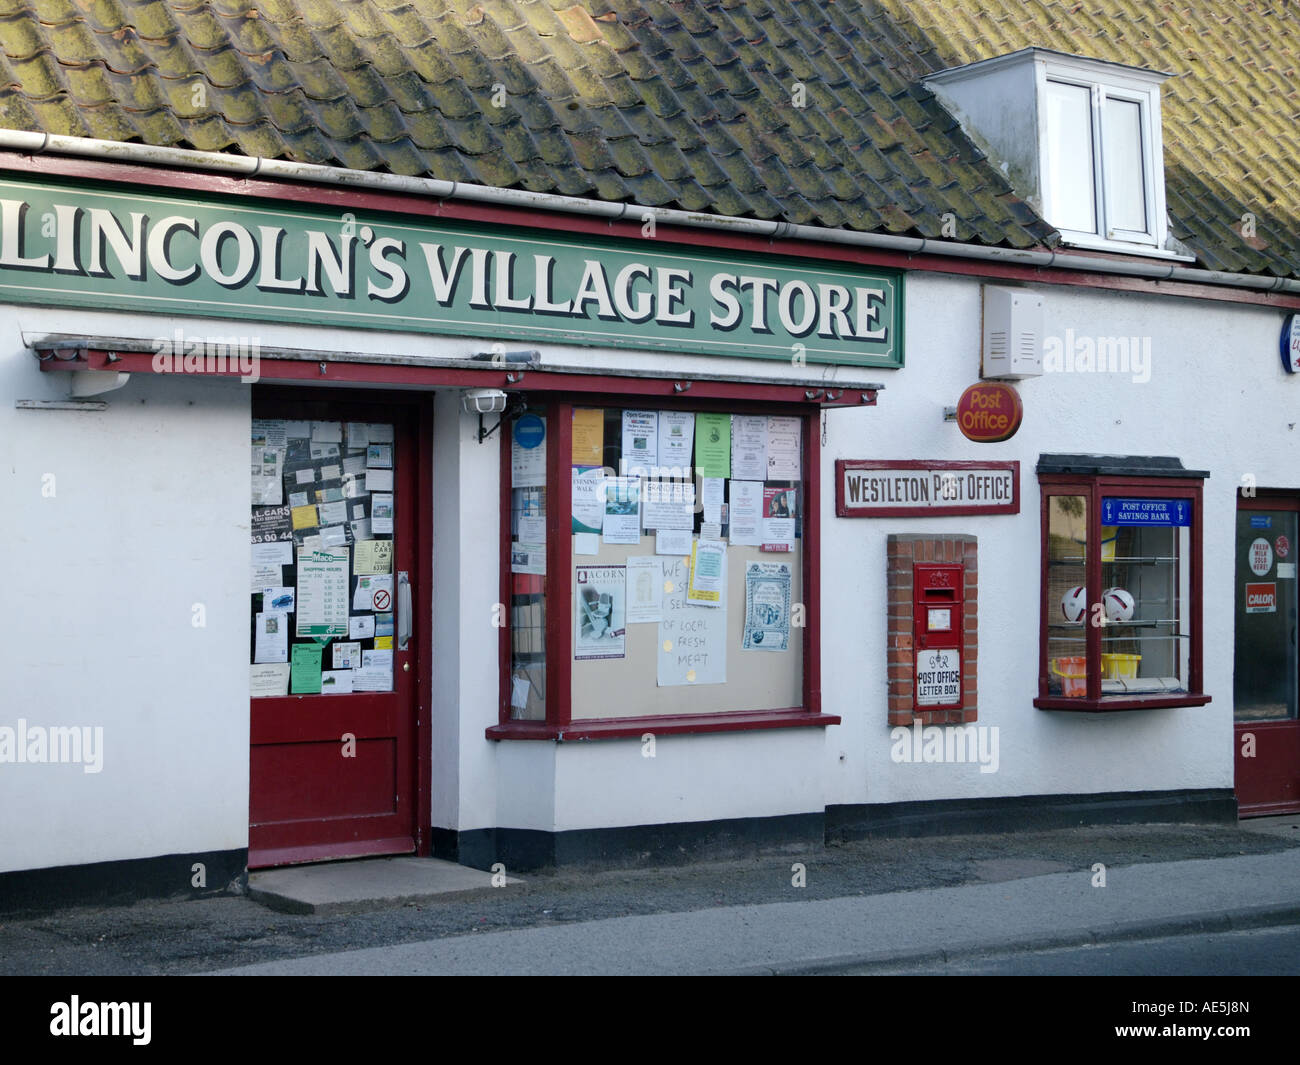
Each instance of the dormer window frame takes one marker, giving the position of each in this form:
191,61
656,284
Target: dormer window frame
1004,105
1103,85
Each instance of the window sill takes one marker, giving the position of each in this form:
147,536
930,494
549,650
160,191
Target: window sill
616,728
1152,250
1116,705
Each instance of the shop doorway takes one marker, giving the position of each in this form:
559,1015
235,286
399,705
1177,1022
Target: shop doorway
334,646
1266,667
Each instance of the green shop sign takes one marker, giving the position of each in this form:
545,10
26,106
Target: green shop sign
77,245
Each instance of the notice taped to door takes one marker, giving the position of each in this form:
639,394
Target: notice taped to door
938,677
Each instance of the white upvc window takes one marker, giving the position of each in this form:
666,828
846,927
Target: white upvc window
1102,167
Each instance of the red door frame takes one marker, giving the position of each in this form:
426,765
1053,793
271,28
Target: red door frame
1276,760
418,407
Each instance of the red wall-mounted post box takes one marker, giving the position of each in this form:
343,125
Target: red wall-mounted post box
937,622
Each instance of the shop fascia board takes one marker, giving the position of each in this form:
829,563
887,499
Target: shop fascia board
91,357
312,173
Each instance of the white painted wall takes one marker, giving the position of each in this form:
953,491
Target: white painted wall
1217,399
149,517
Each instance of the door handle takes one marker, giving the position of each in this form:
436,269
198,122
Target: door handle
403,609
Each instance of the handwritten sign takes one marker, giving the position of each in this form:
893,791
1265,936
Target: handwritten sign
692,639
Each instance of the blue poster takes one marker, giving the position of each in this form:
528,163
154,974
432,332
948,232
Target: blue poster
1117,510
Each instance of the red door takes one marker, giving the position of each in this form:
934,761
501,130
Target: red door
333,769
1266,673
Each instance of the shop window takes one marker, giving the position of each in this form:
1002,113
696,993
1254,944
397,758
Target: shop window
657,559
1121,586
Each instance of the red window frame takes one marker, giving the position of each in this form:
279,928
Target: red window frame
559,725
1093,487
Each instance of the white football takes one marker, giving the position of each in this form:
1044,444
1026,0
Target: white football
1074,603
1118,604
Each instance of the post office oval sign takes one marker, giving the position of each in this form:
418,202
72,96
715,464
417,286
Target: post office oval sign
989,412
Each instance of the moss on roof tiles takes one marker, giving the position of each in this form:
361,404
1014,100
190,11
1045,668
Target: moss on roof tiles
684,102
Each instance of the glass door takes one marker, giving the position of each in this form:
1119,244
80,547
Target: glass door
1266,661
331,675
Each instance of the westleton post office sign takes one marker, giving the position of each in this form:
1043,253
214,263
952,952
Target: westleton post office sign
881,488
72,244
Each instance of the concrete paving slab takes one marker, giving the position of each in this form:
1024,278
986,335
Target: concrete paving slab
368,884
1286,826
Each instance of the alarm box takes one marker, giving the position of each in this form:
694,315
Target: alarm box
937,625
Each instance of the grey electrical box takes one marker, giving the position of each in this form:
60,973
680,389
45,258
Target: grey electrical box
1012,346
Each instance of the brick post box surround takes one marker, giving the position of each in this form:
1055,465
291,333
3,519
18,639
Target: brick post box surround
904,549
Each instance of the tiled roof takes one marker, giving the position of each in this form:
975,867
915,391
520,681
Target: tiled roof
686,104
1231,113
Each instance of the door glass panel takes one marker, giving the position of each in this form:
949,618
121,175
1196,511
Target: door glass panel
1067,602
323,593
1264,673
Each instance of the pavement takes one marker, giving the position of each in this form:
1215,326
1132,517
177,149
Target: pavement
855,907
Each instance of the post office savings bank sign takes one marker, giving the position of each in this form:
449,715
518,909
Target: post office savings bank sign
97,247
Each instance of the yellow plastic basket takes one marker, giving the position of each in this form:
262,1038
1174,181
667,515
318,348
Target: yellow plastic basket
1120,667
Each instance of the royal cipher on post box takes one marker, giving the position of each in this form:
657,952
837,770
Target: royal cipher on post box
937,634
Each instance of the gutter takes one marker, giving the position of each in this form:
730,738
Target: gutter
313,173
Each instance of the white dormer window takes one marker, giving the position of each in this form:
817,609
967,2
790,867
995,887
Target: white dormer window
1079,139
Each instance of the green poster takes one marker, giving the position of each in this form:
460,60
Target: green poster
713,445
305,678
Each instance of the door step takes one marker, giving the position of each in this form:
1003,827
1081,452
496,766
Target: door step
370,884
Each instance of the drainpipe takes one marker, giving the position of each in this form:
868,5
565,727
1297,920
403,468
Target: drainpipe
314,173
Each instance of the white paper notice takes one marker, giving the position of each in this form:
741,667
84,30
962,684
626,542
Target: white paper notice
333,513
336,682
374,592
272,642
372,680
327,432
783,449
381,514
676,437
527,557
361,627
358,436
381,433
269,680
297,430
334,536
711,497
265,576
692,639
527,464
586,543
622,523
669,505
379,480
267,485
274,553
749,447
645,585
279,599
640,451
746,512
673,542
323,592
347,655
